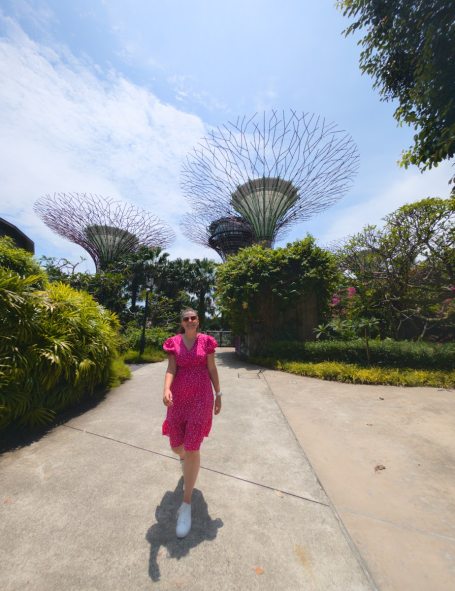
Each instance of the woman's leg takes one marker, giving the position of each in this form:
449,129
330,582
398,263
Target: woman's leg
192,463
179,451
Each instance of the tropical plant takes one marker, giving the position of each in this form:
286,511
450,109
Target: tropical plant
59,269
21,262
175,283
139,266
202,283
409,50
106,287
55,346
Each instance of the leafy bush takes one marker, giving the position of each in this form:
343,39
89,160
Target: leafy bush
21,262
151,355
387,353
55,346
357,374
154,337
259,284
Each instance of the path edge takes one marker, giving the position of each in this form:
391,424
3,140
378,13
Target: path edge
346,533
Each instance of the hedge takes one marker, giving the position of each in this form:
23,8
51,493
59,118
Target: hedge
387,353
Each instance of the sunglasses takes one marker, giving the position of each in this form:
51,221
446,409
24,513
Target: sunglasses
188,318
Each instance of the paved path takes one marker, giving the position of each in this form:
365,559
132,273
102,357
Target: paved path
91,505
402,518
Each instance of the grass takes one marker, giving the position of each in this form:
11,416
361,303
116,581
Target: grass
358,374
119,373
151,355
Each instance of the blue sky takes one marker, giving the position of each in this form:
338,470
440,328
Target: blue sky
108,97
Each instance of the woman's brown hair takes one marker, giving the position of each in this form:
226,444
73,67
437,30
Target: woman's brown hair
186,311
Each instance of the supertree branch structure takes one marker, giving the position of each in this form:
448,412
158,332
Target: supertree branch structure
271,170
105,228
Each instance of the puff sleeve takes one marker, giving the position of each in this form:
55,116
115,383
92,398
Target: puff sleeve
169,346
210,344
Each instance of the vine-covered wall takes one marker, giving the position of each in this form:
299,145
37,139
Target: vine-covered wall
269,293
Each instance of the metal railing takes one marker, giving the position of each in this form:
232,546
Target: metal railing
224,338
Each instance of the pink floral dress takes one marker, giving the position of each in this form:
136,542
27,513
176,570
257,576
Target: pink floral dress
189,420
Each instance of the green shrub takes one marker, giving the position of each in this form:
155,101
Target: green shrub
118,373
154,337
385,353
21,262
151,355
261,284
55,347
357,374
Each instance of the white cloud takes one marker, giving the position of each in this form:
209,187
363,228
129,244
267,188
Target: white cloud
37,13
266,99
184,91
65,128
404,186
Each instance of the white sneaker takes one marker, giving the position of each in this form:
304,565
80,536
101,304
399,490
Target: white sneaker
183,520
182,465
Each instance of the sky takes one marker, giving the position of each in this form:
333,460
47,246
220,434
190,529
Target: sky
108,97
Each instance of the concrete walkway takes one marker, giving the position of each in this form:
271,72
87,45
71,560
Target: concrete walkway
401,518
92,504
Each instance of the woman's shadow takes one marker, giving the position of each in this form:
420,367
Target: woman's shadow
162,534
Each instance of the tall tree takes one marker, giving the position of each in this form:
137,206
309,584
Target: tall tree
202,284
176,281
409,50
403,273
430,224
137,266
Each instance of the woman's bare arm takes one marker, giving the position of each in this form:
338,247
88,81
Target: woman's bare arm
168,379
215,380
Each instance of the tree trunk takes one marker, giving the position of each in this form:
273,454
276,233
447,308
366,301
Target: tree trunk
134,290
201,306
366,343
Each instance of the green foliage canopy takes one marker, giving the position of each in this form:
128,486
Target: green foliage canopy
259,282
409,50
139,266
177,284
404,272
202,282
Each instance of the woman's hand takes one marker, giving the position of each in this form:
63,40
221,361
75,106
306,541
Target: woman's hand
167,398
217,405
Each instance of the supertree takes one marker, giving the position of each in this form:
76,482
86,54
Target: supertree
226,235
105,228
269,171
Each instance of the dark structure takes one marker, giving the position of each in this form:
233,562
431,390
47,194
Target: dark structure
20,239
225,235
105,228
271,171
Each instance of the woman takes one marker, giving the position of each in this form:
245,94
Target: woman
188,396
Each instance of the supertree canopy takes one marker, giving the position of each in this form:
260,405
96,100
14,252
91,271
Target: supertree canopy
272,170
226,235
105,228
229,234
